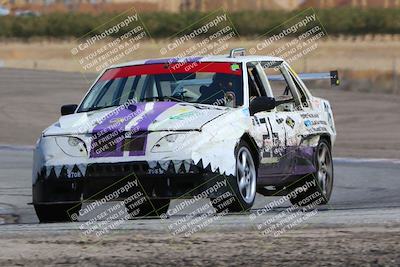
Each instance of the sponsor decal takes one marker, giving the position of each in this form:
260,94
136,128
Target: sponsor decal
182,116
246,111
172,60
235,67
309,115
290,122
256,121
319,126
308,123
117,120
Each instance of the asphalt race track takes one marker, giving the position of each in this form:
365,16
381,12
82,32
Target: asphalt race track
365,191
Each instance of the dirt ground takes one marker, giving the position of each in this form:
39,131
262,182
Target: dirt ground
367,124
351,246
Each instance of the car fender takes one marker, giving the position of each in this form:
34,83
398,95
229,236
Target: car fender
216,146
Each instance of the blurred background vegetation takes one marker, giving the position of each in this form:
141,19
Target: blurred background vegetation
338,21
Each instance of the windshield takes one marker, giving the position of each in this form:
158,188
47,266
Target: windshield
217,83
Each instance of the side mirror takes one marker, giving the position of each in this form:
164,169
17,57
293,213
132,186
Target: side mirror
68,109
262,103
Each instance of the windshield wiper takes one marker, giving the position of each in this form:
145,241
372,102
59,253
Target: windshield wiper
97,108
161,98
174,98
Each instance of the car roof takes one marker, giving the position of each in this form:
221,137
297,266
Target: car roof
218,58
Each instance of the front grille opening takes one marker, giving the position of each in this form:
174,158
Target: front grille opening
116,169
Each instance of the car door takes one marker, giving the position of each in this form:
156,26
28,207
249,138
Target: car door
293,103
304,138
269,127
290,107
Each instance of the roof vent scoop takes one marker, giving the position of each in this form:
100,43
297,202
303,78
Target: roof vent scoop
237,52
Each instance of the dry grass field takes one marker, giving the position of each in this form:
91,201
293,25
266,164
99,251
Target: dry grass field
365,63
344,54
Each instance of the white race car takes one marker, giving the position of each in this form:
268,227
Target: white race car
183,127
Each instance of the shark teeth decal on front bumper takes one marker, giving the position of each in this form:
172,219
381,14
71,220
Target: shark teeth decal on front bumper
181,167
172,167
154,168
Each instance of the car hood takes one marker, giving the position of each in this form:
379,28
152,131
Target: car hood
151,116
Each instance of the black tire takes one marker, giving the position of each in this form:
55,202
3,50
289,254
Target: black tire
322,178
242,186
57,212
150,208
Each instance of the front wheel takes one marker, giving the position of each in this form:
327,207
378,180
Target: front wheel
242,185
57,212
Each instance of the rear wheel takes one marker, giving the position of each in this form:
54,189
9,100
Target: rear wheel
242,185
322,178
152,207
57,212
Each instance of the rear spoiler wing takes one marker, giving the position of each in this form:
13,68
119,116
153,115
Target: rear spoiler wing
333,76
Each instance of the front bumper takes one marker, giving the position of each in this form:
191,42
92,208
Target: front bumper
161,179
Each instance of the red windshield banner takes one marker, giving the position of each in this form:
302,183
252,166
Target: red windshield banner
174,68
